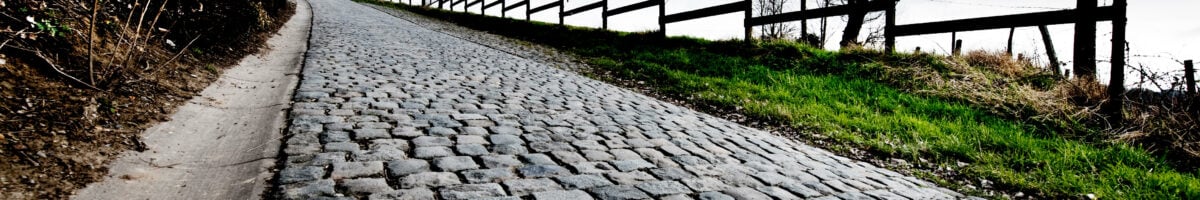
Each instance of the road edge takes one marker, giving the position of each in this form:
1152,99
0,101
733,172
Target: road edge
223,143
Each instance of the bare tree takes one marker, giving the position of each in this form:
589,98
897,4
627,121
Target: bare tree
774,31
824,23
875,34
854,24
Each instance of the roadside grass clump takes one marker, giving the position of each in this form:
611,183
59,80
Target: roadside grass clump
979,121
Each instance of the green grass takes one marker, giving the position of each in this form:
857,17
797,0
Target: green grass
843,96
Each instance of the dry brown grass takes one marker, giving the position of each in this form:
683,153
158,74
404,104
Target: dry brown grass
1164,123
992,81
1000,62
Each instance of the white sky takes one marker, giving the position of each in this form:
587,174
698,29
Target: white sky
1159,31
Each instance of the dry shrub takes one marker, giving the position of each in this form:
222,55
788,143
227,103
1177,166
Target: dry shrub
1000,62
1082,92
991,81
1163,122
1167,123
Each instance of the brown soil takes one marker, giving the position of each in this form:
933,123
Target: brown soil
68,106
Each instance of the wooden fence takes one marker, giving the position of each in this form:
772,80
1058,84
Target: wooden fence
1084,17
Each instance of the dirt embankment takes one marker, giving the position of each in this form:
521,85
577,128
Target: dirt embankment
80,79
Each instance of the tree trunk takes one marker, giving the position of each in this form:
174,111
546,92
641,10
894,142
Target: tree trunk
824,25
853,25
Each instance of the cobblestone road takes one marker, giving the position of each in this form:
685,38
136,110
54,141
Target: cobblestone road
388,109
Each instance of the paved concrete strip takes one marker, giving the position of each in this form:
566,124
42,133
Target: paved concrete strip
222,143
389,109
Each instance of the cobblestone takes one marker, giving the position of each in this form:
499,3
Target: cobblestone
408,194
619,192
311,190
663,188
433,152
471,149
538,171
472,191
399,168
745,193
366,185
705,184
356,169
301,174
521,187
488,175
500,161
429,179
583,181
630,165
672,173
456,163
562,194
714,196
404,107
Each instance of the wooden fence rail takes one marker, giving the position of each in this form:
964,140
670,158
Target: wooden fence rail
548,6
452,4
515,6
819,13
1084,17
740,6
997,22
490,5
633,7
603,4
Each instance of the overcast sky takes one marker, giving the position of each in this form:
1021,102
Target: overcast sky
1160,32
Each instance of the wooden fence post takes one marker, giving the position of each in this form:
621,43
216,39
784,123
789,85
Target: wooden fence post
804,22
890,24
662,13
1085,40
749,14
957,47
561,4
503,11
1115,106
953,39
1011,31
529,3
604,15
1189,77
1050,51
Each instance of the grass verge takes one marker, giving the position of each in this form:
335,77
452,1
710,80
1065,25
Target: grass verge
850,99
